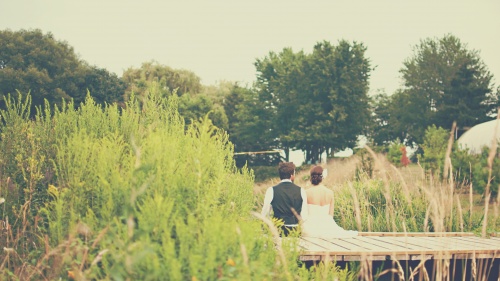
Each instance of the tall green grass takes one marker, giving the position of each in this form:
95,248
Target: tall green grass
129,194
108,193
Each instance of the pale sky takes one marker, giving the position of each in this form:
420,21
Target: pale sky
221,39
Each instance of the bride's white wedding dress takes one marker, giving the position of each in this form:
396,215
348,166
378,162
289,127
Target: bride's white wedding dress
320,224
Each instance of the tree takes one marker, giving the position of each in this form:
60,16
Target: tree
194,108
381,133
31,61
36,63
179,80
319,101
434,147
395,118
279,81
445,82
249,127
103,86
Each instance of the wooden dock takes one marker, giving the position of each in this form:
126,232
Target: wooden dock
382,246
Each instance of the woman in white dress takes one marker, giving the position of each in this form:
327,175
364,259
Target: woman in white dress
320,221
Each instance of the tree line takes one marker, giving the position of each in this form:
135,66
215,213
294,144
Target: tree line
317,102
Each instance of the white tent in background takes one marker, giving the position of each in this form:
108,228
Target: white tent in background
479,136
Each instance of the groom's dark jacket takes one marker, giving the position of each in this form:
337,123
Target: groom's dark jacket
286,196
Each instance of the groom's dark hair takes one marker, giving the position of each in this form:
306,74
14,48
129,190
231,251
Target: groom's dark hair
286,170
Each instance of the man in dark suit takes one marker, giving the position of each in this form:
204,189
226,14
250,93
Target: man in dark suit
286,199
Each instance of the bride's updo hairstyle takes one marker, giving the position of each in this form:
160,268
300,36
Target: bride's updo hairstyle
316,175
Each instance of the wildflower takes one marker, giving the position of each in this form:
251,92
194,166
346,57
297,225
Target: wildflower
230,262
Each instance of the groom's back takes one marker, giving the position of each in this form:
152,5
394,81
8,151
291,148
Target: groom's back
287,195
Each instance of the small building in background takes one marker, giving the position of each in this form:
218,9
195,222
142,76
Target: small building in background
479,136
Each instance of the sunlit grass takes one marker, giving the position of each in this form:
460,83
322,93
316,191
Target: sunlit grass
98,193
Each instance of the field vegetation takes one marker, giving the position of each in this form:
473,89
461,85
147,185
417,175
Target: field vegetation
108,193
136,177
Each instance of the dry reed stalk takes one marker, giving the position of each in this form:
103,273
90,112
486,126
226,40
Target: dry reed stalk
357,209
390,214
86,251
277,242
495,206
447,159
426,219
366,270
243,249
460,215
325,268
471,192
400,271
55,251
491,156
406,194
473,267
406,190
420,268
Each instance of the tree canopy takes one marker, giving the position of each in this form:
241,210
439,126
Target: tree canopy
318,102
31,61
179,80
444,81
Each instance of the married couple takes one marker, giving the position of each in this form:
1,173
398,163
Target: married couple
312,207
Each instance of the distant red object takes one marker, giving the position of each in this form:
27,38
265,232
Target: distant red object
404,159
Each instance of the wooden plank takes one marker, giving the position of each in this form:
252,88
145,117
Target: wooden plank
417,234
381,245
470,256
409,244
421,257
468,244
484,241
355,244
391,246
445,244
320,258
477,244
308,246
328,246
435,243
364,258
414,247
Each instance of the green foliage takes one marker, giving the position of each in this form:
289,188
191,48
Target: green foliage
369,205
318,102
481,173
36,63
170,80
365,169
263,173
194,108
467,168
133,195
249,127
434,147
473,169
394,154
444,81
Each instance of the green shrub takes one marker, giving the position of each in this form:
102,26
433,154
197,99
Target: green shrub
434,148
394,153
380,208
264,173
365,168
99,193
481,172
